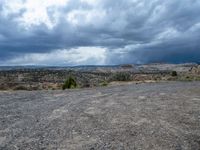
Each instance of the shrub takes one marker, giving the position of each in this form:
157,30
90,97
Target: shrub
20,87
121,76
104,83
86,84
70,83
174,73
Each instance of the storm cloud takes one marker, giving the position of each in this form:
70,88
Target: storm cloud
63,32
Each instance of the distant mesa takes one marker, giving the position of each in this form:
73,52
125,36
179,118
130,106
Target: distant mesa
126,66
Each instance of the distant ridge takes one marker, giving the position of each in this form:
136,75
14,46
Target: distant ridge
91,67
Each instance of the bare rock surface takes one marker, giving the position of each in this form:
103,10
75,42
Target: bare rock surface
159,116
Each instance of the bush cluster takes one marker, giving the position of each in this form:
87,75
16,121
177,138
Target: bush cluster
121,76
70,83
174,73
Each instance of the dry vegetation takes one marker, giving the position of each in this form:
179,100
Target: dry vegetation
51,79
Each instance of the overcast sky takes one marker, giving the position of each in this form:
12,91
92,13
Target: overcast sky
99,32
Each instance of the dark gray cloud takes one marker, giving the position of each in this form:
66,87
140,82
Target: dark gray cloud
131,31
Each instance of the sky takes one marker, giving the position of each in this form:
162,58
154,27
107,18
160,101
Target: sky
99,32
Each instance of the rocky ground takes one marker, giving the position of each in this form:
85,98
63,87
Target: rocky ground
159,116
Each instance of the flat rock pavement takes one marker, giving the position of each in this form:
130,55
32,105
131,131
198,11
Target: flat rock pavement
159,116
